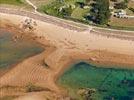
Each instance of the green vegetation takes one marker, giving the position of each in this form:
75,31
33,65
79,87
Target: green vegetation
79,10
14,2
33,88
8,98
70,9
79,13
94,12
121,5
132,9
100,12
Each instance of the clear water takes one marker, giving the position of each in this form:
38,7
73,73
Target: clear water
108,82
13,52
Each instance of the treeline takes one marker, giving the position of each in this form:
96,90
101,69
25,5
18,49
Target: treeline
100,12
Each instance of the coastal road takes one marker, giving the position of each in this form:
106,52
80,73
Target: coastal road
90,27
45,18
122,34
54,20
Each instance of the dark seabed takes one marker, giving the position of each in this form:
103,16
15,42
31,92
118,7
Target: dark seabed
100,83
13,52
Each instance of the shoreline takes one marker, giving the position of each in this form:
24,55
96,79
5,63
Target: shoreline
15,32
82,41
88,59
60,55
76,25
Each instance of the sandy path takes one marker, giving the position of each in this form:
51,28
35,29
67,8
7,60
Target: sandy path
30,3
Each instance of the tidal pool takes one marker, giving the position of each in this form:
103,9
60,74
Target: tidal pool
108,83
12,52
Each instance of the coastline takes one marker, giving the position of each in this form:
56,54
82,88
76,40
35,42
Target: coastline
62,52
15,32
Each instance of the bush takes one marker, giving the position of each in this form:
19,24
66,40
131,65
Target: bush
121,5
113,0
100,12
32,88
66,11
132,9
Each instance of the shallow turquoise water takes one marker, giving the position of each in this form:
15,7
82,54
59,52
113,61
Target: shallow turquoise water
108,82
13,52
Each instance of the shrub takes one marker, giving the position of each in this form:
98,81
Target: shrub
121,5
33,88
100,12
132,9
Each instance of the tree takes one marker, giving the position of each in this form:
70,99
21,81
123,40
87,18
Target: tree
132,9
113,0
66,12
121,5
100,12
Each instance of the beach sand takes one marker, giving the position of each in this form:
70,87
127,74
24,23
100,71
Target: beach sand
63,47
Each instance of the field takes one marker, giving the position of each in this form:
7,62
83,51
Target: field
14,2
8,98
40,2
71,9
122,22
130,5
78,13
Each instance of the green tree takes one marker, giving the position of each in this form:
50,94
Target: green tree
121,5
100,12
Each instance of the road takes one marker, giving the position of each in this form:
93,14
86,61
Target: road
35,10
57,21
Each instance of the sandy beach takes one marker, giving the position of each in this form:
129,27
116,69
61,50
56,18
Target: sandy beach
63,47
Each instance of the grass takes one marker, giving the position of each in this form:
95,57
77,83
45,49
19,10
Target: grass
40,2
131,4
79,13
51,9
122,22
13,2
129,12
8,98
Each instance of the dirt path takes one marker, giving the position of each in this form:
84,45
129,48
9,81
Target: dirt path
30,3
